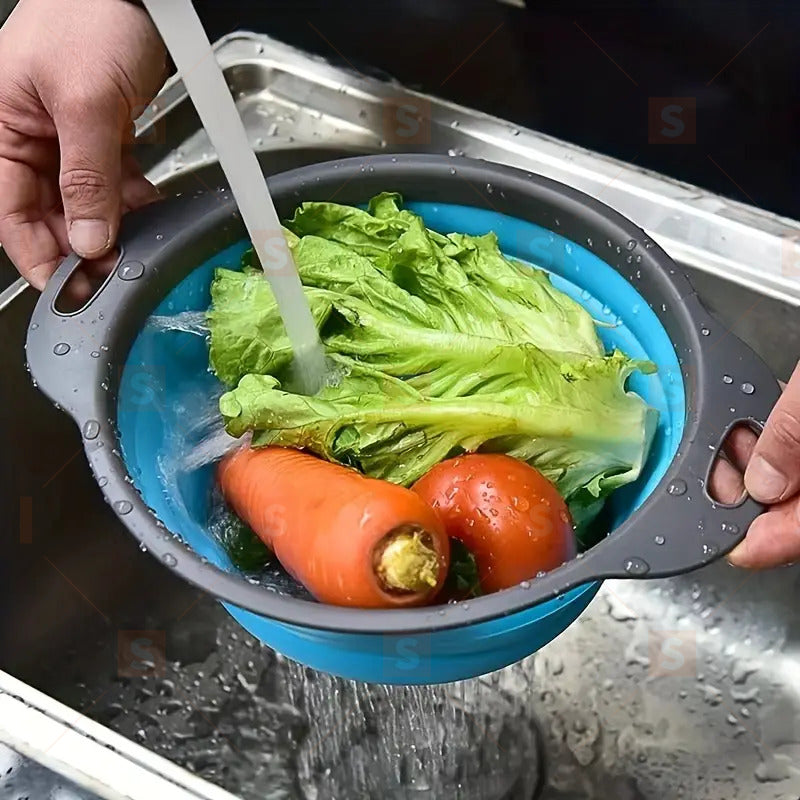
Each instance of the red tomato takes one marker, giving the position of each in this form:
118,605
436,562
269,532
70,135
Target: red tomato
505,512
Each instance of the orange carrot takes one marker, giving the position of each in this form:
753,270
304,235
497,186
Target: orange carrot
349,539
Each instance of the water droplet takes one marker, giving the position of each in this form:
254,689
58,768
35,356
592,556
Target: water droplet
663,306
452,152
728,527
61,349
170,560
131,270
159,237
91,429
748,387
123,507
589,242
452,170
259,48
635,309
701,525
732,410
489,188
727,379
525,585
636,566
34,326
606,310
659,540
102,481
95,354
677,487
585,294
710,550
705,331
631,244
454,123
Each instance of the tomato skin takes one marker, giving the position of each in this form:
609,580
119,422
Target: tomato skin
505,512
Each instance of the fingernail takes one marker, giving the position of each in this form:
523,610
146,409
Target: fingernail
765,482
89,237
738,556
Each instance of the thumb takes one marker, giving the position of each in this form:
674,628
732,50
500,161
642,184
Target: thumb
773,473
90,138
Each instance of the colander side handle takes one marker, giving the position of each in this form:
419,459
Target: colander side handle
60,344
680,527
66,352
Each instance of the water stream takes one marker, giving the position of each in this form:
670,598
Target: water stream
191,51
233,711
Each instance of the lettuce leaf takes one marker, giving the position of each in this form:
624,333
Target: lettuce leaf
439,345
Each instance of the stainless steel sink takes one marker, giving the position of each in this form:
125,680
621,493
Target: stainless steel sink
681,688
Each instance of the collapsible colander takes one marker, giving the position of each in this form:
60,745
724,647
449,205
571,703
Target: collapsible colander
134,390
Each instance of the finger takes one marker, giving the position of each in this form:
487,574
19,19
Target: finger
726,483
35,151
773,473
90,136
77,290
25,235
739,446
773,539
137,191
58,228
98,269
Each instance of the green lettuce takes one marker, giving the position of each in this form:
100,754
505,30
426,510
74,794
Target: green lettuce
438,345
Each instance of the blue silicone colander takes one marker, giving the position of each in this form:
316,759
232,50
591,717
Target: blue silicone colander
162,401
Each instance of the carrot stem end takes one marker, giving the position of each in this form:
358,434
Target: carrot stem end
408,564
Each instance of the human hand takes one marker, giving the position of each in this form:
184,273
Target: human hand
72,76
769,468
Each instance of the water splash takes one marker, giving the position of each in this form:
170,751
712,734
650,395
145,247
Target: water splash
185,321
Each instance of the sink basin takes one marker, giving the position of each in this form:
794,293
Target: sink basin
680,688
688,685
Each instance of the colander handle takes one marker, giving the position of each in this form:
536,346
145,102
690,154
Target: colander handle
67,351
681,527
64,349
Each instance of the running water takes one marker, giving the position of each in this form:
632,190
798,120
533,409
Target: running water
234,712
191,51
185,321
